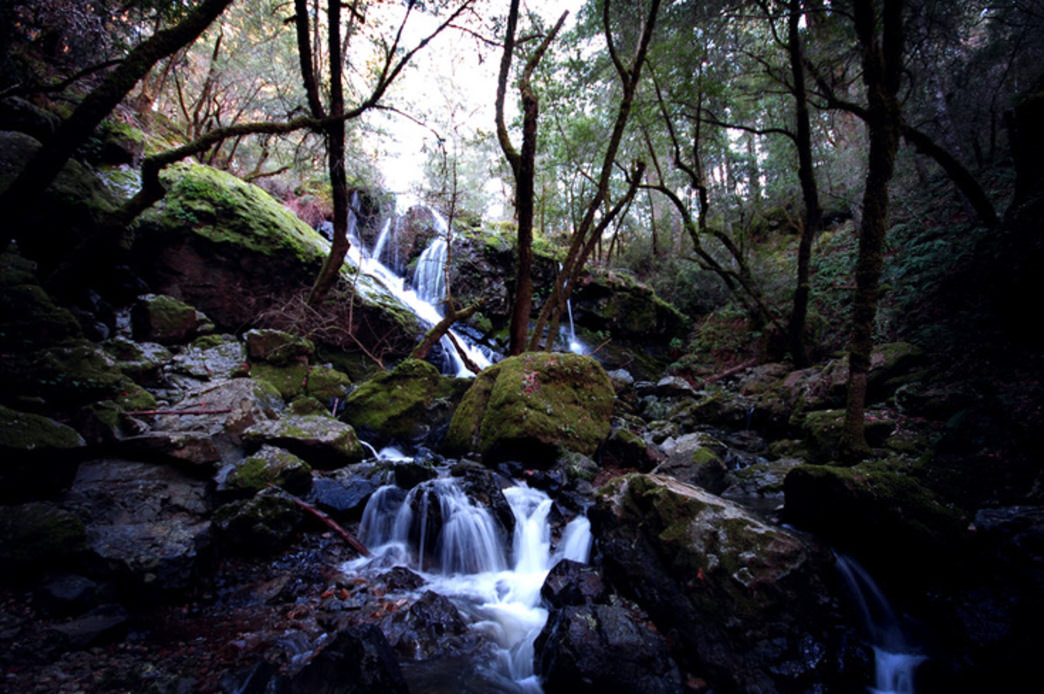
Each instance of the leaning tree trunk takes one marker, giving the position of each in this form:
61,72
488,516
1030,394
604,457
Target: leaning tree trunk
882,71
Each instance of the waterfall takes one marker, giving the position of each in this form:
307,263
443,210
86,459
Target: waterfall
895,658
429,277
396,285
461,555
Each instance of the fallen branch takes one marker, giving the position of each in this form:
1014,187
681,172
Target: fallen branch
432,337
330,522
144,412
729,372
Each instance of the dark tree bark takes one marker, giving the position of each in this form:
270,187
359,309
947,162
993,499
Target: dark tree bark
523,168
809,192
882,73
41,170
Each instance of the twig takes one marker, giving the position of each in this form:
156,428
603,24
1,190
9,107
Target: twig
330,522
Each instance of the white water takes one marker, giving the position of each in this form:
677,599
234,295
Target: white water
396,285
466,561
895,658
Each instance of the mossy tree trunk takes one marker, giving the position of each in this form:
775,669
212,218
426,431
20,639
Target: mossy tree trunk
882,73
524,170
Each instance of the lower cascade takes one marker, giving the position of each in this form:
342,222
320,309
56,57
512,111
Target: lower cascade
895,657
457,547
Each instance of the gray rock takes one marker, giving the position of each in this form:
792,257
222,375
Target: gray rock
323,442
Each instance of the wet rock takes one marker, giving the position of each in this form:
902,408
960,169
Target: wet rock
104,624
720,583
408,404
533,407
342,498
824,428
573,583
358,661
400,579
164,319
146,524
408,474
79,372
269,465
139,360
277,347
263,524
695,459
29,317
38,535
604,649
65,594
430,627
36,454
323,442
484,486
626,449
194,451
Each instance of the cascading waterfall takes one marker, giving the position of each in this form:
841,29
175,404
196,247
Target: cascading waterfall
396,285
464,559
895,658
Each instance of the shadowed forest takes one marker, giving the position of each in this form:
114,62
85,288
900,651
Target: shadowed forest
474,346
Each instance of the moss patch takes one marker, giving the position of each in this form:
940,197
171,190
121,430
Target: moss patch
394,404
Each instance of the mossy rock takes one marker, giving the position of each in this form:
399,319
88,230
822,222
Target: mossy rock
397,404
290,380
277,347
74,374
212,357
263,524
29,318
824,429
21,431
326,384
164,319
883,516
137,359
533,407
322,441
270,465
39,535
306,404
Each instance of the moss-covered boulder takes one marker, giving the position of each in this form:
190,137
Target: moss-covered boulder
326,384
79,372
290,380
533,407
37,454
277,346
231,250
627,309
883,516
37,535
722,582
263,524
323,442
164,319
697,459
222,410
407,404
823,429
210,357
139,360
269,465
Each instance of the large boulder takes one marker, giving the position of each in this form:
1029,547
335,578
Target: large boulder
533,407
408,404
147,525
898,528
37,535
744,604
226,409
231,250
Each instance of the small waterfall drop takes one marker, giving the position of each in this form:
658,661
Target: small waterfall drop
895,658
436,530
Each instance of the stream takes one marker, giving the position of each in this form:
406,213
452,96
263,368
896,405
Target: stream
464,557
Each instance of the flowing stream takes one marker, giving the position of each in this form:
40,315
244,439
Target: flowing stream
466,560
895,657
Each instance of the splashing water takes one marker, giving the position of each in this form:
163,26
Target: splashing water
464,559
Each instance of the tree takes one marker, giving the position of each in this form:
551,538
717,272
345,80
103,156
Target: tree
595,220
523,168
881,40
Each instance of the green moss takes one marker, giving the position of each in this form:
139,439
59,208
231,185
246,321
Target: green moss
306,404
75,374
290,380
211,341
26,432
133,397
271,466
277,347
325,384
35,535
394,403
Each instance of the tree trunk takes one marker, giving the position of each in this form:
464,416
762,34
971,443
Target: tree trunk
882,71
807,176
340,244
